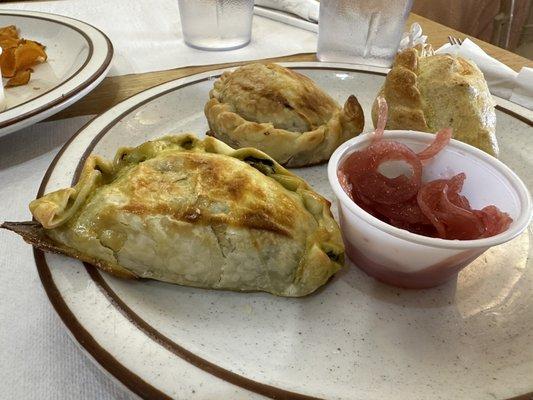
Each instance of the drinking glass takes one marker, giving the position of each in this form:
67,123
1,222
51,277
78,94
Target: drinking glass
361,31
216,24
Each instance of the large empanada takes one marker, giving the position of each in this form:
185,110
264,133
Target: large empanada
280,112
196,213
428,92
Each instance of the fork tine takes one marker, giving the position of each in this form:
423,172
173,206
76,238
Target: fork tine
453,40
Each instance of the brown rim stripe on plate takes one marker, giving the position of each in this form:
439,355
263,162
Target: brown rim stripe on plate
75,90
132,381
515,115
207,366
528,396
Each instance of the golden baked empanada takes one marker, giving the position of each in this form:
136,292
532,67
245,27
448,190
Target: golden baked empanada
280,112
196,213
431,92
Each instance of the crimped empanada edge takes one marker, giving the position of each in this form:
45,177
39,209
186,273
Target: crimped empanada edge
33,233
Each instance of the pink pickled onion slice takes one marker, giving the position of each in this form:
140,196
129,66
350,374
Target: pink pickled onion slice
382,118
429,196
408,213
460,201
442,138
372,184
456,182
419,229
383,190
428,200
460,223
494,220
455,185
365,204
356,164
442,205
345,183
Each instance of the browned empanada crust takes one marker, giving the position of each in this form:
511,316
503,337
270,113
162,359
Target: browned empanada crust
196,213
280,112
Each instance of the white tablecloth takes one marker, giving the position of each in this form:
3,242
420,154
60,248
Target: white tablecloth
147,34
38,360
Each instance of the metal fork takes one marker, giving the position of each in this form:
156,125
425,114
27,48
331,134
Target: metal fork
453,40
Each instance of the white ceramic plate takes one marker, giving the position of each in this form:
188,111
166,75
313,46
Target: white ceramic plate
354,339
79,56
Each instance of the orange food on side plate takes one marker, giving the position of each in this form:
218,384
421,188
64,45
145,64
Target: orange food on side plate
18,56
19,79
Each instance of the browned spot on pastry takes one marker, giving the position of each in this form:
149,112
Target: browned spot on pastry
275,97
259,218
465,68
213,175
192,215
401,85
240,186
212,180
407,59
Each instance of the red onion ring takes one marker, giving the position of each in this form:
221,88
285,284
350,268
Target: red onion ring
442,138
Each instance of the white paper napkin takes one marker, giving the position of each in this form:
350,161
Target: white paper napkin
306,9
413,37
502,80
523,91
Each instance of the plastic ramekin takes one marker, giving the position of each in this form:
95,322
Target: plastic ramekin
401,258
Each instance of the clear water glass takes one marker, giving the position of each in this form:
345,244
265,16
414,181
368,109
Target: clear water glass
216,24
361,31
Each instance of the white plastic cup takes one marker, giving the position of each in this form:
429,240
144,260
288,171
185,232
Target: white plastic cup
401,258
361,31
216,24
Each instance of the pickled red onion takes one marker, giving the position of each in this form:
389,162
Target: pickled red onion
494,220
369,182
383,110
441,203
434,209
442,139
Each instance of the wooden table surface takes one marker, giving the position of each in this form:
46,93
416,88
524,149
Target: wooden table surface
114,89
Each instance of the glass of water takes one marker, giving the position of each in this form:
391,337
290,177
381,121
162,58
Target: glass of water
361,31
216,24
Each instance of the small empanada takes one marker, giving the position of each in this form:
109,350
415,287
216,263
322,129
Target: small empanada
281,112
